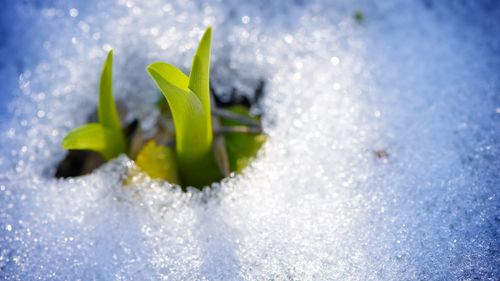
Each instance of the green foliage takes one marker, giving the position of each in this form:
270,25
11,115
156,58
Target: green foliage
199,78
159,162
105,137
186,102
189,101
241,147
359,16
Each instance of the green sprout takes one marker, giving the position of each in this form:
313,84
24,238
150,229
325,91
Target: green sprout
105,137
189,101
359,16
204,152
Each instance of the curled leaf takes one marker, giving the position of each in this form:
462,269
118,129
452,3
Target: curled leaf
241,147
189,102
159,162
93,137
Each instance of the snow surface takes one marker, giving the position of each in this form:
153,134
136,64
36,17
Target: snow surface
416,81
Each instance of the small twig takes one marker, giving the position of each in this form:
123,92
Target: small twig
239,129
226,114
219,144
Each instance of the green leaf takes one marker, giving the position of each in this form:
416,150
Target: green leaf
241,148
108,114
189,101
159,162
199,77
93,137
106,137
187,111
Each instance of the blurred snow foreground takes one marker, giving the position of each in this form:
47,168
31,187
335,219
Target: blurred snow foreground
383,160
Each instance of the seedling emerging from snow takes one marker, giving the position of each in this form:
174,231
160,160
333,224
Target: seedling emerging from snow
105,137
204,152
189,101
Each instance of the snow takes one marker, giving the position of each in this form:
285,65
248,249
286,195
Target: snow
382,162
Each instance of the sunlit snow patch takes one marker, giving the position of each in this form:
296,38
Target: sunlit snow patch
382,161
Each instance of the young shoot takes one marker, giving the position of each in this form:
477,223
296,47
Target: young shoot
206,148
359,16
189,101
106,136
